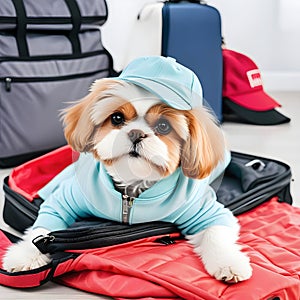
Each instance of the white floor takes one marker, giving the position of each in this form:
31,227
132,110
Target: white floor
281,142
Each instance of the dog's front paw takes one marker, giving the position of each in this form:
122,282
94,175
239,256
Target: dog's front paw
230,267
221,254
24,256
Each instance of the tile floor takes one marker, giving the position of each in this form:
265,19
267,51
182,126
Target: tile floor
281,142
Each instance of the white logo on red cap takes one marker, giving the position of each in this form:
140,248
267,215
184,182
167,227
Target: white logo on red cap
254,78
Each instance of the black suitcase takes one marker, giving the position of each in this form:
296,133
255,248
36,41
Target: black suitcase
247,182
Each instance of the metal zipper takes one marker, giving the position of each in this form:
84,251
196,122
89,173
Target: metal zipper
8,84
9,80
127,203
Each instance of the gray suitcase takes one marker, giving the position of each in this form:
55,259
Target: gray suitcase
50,53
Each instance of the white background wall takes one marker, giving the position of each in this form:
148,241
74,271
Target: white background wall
268,31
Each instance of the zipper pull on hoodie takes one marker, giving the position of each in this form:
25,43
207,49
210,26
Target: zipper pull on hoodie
127,202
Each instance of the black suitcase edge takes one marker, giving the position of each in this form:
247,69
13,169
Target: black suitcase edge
18,212
280,187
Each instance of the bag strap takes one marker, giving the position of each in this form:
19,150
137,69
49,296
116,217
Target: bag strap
21,31
21,28
76,21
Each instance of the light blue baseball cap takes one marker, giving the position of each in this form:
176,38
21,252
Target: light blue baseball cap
173,83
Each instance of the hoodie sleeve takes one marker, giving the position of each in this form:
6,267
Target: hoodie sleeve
202,210
60,209
205,212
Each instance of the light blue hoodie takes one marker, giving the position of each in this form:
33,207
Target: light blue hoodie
85,189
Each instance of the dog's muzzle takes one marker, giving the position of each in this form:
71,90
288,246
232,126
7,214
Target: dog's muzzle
136,136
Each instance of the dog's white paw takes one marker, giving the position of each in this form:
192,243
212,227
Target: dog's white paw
24,256
221,255
230,267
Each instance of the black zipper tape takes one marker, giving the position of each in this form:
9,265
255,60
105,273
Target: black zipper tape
105,234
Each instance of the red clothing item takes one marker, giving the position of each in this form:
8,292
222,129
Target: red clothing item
144,269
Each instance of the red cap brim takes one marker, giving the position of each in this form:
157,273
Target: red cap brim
257,101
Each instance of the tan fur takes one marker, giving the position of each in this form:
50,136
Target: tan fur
79,126
175,138
174,116
205,145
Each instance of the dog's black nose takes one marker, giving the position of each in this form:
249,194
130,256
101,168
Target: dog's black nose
136,135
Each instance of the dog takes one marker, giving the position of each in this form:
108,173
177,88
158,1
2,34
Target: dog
149,151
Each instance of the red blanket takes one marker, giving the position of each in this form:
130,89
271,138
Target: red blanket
270,234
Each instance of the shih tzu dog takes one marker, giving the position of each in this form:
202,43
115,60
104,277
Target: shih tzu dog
149,151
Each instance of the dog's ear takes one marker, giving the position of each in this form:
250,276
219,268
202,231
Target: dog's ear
205,145
78,121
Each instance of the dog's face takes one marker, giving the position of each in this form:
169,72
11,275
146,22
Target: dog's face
138,137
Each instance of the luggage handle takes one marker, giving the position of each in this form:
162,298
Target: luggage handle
146,10
192,1
21,28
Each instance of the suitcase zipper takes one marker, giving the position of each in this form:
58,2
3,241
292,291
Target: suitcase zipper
8,81
103,236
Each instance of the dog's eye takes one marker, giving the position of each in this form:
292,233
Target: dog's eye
117,119
163,127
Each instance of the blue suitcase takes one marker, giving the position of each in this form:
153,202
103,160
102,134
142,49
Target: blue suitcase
192,35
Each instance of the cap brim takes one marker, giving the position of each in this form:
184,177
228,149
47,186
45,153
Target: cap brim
257,101
267,117
183,98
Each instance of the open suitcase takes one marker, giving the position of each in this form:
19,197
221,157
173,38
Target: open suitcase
253,187
248,181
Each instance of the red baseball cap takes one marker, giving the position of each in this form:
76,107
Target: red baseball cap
243,92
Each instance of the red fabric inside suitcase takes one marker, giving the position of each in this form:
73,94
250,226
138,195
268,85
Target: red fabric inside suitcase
270,234
28,178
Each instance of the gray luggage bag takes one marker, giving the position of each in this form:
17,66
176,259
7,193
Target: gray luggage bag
50,53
